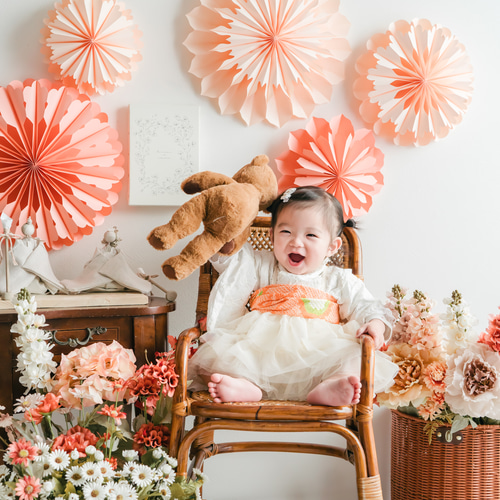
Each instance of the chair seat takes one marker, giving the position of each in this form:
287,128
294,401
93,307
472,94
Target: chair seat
202,405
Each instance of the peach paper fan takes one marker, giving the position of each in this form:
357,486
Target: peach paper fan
268,59
337,158
92,45
415,82
60,161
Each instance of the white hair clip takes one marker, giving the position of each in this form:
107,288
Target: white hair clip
287,194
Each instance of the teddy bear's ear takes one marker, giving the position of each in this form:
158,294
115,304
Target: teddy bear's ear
260,160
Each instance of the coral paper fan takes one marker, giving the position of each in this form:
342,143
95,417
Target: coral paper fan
92,45
268,59
60,161
337,158
415,82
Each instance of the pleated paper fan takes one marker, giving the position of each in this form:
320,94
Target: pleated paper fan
268,60
60,161
92,45
337,158
415,82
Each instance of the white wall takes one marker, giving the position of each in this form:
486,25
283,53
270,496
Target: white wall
434,226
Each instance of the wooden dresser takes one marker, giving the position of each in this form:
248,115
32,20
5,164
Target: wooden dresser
142,328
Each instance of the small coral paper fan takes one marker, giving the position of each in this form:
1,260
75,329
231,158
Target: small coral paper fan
337,158
60,161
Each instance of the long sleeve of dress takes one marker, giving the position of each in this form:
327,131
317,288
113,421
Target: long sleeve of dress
240,275
356,302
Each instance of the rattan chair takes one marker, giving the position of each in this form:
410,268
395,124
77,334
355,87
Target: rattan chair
276,416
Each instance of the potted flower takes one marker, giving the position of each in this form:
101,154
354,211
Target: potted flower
93,428
445,400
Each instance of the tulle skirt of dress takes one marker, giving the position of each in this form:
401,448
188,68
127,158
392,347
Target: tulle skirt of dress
285,356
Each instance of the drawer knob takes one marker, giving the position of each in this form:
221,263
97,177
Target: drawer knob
74,342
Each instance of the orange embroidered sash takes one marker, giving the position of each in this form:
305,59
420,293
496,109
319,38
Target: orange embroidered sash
296,300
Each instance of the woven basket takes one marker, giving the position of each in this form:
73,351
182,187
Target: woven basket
468,468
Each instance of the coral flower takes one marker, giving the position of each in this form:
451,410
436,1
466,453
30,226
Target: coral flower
76,438
151,436
28,488
113,412
492,335
22,451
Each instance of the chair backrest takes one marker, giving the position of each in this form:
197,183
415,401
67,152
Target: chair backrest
348,257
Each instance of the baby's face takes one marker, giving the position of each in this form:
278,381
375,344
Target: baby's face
301,240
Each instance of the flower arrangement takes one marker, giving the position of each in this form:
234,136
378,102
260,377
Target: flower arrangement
447,373
109,453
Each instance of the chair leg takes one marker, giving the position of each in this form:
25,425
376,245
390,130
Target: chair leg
370,488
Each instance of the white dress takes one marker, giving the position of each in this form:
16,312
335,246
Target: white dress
283,355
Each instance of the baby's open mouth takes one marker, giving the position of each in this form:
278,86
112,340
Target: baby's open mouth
296,258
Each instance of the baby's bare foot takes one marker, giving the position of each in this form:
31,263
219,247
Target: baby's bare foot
336,392
224,389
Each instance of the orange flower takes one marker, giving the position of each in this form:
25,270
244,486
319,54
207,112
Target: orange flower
434,376
47,406
22,451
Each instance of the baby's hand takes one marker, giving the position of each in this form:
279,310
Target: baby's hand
376,329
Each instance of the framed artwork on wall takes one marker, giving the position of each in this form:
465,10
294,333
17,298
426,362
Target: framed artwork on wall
164,150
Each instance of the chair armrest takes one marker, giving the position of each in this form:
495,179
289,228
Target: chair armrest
181,360
367,370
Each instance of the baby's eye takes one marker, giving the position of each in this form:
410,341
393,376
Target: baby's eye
311,235
285,231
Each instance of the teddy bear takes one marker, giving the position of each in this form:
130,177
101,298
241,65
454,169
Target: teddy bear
226,206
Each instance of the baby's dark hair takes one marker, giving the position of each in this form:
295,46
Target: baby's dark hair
308,196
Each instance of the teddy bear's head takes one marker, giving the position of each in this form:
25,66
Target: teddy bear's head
259,174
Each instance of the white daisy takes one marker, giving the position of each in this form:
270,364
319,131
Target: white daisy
4,470
73,496
105,469
142,476
163,489
167,473
43,451
75,454
75,475
94,490
128,468
122,491
90,471
47,469
59,459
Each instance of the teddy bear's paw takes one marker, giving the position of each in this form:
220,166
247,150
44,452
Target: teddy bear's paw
227,248
176,268
160,240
